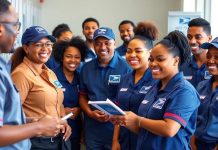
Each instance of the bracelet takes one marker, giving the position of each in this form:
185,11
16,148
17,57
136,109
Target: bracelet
139,123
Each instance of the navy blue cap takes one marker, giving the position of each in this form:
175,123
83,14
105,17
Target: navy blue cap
104,32
208,45
34,34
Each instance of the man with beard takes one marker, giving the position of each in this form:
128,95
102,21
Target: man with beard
126,28
199,32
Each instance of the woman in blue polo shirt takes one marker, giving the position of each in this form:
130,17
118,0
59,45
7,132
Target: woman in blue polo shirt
167,115
70,55
134,85
206,135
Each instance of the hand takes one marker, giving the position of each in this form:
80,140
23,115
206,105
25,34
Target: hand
76,112
66,129
131,119
117,120
99,116
49,126
116,145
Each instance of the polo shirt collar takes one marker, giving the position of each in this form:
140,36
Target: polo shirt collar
173,82
113,62
145,78
61,76
194,64
33,67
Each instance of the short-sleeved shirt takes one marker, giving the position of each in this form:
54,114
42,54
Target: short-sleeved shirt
193,73
129,97
71,98
52,63
207,121
90,55
40,91
100,83
11,112
178,101
122,50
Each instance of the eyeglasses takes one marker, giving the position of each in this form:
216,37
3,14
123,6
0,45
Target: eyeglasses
16,25
41,45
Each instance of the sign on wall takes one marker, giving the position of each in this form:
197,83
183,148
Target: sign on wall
178,20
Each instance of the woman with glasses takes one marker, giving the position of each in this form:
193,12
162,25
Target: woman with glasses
71,53
41,93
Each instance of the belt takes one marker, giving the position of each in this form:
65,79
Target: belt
49,139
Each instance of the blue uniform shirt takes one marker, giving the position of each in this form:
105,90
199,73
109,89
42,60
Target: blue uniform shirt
11,112
207,121
129,98
90,55
122,50
194,74
71,98
100,83
177,101
52,63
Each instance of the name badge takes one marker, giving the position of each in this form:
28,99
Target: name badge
144,101
207,75
57,84
144,89
188,77
123,89
159,103
114,79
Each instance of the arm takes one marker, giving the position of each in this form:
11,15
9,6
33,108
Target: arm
192,142
115,142
46,126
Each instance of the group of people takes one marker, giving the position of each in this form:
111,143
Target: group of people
169,95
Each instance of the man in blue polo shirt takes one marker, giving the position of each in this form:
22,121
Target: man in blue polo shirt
99,81
206,131
199,32
126,28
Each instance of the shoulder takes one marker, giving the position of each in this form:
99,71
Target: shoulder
203,84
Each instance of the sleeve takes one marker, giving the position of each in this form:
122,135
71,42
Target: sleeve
21,83
3,91
82,87
181,106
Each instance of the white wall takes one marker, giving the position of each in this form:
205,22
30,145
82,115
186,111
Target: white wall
109,13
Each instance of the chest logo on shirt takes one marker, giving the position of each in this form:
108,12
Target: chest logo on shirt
144,89
159,103
207,75
57,84
188,77
202,97
123,89
114,79
145,101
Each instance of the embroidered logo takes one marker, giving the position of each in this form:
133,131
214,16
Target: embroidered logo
123,89
202,97
207,75
145,101
188,77
144,89
159,103
114,79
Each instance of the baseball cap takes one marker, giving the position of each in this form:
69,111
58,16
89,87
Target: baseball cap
209,44
34,34
104,32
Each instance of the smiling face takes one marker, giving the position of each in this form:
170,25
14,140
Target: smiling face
89,29
137,55
71,59
196,37
40,51
104,48
212,60
162,63
126,32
